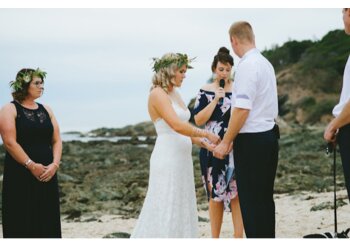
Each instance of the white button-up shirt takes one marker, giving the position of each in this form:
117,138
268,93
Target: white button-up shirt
255,89
345,92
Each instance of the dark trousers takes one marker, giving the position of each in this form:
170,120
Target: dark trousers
343,139
256,158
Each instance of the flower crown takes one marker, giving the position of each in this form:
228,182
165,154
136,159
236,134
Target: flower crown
26,77
179,60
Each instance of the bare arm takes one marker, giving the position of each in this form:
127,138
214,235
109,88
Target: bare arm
56,138
338,122
196,141
8,133
161,104
203,143
237,120
56,148
239,116
204,115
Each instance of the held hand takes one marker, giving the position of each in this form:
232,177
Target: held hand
221,150
213,138
37,169
219,93
206,144
330,134
50,171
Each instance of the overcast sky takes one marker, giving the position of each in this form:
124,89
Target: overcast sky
99,60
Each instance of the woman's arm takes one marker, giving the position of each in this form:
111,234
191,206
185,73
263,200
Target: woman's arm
56,148
8,133
56,138
160,101
204,115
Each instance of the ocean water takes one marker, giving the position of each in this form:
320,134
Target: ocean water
66,137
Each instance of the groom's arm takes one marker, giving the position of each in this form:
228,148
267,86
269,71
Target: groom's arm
237,120
246,84
341,120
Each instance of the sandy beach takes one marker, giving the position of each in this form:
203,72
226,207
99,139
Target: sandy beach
293,219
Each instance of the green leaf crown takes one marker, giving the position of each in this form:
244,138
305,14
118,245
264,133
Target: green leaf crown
26,77
179,60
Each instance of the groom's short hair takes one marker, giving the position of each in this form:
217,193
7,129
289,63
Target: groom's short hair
242,30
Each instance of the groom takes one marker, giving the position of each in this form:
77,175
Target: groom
254,133
339,127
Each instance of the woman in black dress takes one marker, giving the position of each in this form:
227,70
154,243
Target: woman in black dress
30,133
213,109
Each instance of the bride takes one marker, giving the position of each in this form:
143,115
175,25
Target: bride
170,209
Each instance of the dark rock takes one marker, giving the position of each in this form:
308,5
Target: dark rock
328,205
117,235
64,177
113,178
62,194
140,129
309,198
83,200
73,214
118,195
90,219
150,140
202,219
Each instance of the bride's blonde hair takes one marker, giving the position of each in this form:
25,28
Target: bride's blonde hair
165,69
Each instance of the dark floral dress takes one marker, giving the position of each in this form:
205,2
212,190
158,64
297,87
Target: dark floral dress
216,173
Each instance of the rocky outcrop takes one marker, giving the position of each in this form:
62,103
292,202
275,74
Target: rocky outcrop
112,178
140,129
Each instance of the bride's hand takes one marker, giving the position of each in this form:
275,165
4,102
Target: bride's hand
213,138
207,145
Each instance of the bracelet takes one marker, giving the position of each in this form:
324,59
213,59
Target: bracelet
30,164
56,165
27,162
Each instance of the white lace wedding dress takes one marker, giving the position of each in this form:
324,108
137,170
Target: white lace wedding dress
170,207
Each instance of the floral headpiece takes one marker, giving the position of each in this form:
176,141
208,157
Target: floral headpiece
26,77
179,60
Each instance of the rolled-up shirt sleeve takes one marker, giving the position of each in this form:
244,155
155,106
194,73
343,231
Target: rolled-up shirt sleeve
246,86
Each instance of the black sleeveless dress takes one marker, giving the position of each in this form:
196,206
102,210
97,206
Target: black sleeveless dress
30,208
